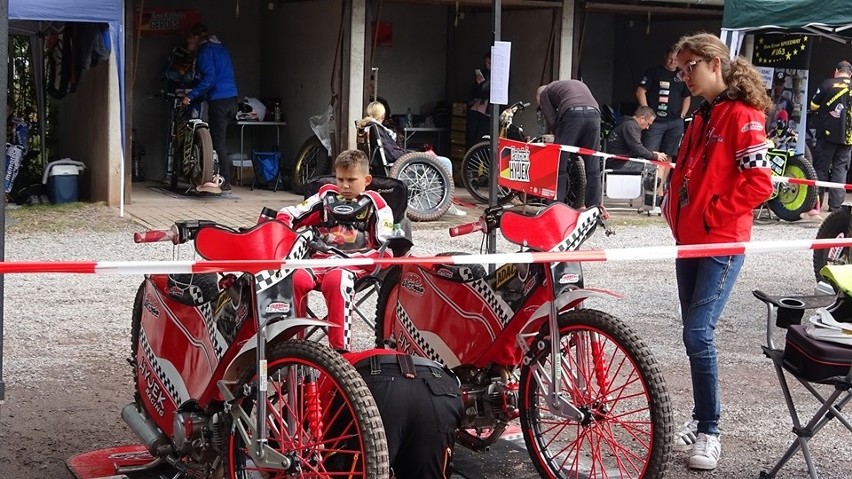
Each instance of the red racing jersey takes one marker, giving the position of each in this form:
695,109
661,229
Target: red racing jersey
721,174
357,227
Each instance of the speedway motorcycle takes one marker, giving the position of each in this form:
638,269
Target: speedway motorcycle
190,154
789,201
589,393
225,387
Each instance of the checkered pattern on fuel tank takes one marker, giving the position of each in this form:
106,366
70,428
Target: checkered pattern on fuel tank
158,370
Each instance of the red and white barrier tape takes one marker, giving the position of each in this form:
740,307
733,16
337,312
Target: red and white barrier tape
589,152
612,255
775,179
802,181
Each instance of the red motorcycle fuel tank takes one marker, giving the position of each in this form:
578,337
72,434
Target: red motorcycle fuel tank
179,350
464,320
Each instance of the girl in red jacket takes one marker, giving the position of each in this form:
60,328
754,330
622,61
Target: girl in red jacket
722,174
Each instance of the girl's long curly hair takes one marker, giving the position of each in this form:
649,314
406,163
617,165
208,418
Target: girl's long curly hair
742,79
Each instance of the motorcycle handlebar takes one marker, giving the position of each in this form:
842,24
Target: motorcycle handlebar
467,228
154,236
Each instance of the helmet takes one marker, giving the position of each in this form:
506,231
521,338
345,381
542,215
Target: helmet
251,109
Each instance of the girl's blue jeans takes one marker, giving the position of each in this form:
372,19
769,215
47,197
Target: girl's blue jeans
704,285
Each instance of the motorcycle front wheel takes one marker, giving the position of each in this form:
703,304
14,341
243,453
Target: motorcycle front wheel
836,225
320,415
612,378
312,161
476,175
793,200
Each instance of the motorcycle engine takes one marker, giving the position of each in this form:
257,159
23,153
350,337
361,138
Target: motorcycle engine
489,395
189,431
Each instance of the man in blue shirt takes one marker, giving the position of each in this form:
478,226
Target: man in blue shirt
218,88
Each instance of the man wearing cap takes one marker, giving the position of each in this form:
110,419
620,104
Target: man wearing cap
831,102
573,116
666,94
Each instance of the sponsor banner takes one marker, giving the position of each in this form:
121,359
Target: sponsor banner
785,60
531,168
161,21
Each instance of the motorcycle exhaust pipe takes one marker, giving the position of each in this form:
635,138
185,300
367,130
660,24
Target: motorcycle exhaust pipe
144,429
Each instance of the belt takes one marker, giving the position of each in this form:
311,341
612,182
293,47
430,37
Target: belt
405,362
581,108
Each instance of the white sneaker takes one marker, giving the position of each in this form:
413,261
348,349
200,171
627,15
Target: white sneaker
455,211
705,454
685,437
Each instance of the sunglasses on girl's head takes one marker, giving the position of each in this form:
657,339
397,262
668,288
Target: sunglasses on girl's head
687,69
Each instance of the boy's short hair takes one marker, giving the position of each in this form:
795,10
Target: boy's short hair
350,159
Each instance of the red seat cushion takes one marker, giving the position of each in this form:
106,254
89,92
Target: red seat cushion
267,240
543,231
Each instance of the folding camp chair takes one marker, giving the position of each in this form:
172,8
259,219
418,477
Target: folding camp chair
810,361
395,194
621,180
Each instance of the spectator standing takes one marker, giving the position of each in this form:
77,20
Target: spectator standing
722,174
478,123
666,94
217,87
572,114
831,101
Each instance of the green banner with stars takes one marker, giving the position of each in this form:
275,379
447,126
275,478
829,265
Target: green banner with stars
778,50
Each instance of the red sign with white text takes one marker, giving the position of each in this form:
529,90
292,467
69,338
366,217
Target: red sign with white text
166,20
532,169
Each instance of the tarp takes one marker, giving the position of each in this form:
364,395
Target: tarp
110,12
828,18
105,11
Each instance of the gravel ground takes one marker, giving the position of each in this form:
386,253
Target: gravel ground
67,337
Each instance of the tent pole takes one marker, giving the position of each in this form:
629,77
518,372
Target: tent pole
37,54
4,86
491,239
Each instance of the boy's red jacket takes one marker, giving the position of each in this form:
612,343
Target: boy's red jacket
722,174
311,212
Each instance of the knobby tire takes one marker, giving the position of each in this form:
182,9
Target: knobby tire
627,427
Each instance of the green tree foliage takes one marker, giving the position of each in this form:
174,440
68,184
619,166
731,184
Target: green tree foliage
22,89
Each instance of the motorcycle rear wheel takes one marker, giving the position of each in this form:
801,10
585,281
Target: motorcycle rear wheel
476,175
346,438
202,155
312,161
610,375
836,225
793,200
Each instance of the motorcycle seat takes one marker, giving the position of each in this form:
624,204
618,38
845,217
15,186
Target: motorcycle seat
543,231
268,240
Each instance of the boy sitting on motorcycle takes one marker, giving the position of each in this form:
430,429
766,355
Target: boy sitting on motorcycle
350,219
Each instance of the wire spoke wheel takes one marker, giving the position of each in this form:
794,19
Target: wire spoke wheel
610,376
430,190
476,175
836,225
312,161
320,416
792,200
